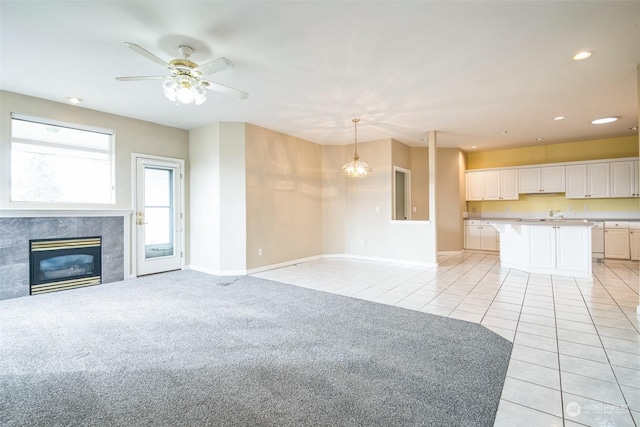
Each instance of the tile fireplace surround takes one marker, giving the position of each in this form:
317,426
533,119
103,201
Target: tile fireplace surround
15,233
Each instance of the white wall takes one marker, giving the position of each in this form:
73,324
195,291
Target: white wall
218,199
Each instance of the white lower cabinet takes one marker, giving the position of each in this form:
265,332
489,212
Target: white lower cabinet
480,235
543,248
616,240
554,247
634,240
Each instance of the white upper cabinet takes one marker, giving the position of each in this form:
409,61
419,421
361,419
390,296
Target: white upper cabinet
493,185
598,180
590,180
475,190
576,184
550,179
624,179
509,184
578,180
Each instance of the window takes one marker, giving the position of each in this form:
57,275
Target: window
53,162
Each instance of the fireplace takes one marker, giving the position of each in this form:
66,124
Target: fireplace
58,264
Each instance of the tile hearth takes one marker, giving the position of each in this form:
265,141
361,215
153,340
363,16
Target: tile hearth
15,233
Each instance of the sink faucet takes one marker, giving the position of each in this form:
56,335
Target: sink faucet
555,214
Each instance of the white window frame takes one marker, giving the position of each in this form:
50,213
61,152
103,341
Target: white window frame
66,204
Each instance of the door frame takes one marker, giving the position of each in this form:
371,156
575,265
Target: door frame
134,200
407,193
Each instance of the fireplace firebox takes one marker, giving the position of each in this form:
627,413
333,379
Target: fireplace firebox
58,264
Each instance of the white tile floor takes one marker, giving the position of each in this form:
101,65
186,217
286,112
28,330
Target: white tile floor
576,353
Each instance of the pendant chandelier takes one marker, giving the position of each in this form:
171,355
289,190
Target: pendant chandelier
356,168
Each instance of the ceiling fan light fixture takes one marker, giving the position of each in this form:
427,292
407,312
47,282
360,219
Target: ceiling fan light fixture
355,168
184,89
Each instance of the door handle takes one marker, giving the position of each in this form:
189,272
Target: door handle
140,218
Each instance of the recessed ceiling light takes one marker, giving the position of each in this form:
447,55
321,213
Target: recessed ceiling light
474,146
556,118
603,120
502,132
581,55
74,100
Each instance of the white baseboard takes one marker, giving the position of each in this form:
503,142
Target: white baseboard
216,272
301,260
450,253
379,259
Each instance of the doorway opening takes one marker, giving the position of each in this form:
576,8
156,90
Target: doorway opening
401,194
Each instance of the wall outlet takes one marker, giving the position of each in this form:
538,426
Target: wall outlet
415,209
260,251
586,208
377,208
508,209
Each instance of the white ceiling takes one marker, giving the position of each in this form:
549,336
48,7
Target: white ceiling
466,69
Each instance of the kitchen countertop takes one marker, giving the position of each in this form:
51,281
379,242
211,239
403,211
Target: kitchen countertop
534,220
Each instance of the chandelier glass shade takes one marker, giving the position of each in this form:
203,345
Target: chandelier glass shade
355,168
184,89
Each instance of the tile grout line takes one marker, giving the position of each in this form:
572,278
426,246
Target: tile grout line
606,353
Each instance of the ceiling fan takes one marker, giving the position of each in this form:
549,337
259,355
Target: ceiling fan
185,83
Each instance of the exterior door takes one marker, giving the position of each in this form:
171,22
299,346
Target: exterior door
158,215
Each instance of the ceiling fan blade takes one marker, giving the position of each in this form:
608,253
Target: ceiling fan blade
215,66
217,87
129,79
146,54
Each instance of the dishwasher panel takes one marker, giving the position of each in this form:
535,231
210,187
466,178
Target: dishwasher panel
597,241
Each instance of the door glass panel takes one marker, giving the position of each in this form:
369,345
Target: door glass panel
158,212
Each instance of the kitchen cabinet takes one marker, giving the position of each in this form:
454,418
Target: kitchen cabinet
546,247
475,182
616,240
550,179
624,179
493,185
554,248
509,184
480,235
587,181
634,240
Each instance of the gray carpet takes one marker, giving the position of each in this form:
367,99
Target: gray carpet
190,349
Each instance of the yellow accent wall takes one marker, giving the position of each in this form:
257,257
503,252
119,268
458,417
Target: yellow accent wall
542,203
610,148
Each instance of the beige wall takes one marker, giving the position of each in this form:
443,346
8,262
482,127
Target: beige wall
420,183
638,73
370,232
284,197
131,136
450,207
334,200
249,188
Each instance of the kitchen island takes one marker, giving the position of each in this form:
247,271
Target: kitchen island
547,246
